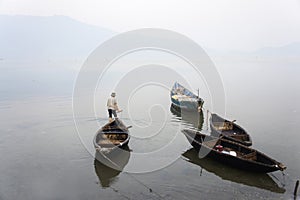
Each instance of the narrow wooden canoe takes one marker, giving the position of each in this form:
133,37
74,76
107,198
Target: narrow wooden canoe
112,136
232,153
223,127
185,99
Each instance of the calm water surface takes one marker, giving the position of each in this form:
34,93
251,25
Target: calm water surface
42,156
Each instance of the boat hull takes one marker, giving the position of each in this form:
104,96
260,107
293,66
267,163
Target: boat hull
237,134
186,105
191,103
109,147
263,164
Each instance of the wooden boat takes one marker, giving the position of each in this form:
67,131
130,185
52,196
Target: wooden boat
112,136
194,119
232,153
225,172
108,167
220,126
185,99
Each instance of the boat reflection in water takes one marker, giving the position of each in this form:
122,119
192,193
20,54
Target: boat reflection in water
193,118
259,180
108,167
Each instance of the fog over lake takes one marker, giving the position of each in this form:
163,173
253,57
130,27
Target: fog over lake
45,156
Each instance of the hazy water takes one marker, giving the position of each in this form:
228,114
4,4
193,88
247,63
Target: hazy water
42,156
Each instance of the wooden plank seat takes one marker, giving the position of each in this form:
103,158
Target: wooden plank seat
109,142
223,126
113,132
114,136
250,156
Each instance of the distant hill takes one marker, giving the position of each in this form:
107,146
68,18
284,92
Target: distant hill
36,38
292,49
47,38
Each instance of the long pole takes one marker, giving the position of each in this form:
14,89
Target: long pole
296,189
207,119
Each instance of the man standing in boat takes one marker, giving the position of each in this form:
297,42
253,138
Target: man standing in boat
112,106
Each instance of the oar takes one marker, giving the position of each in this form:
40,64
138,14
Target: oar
120,111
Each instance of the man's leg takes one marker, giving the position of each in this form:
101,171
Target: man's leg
114,113
110,114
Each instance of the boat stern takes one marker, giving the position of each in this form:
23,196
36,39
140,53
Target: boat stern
281,166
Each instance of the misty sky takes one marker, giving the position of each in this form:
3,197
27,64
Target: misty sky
225,25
